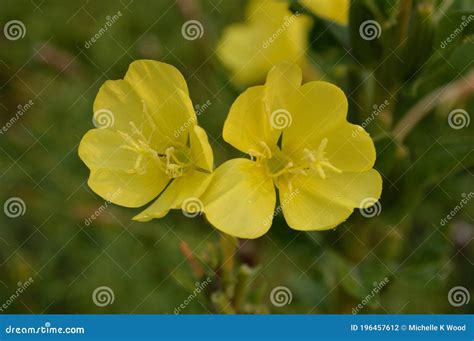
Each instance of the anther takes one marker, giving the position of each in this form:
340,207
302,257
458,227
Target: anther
266,150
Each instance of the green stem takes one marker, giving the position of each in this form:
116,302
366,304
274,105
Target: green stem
446,94
242,286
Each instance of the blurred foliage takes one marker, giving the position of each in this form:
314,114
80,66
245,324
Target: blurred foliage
152,267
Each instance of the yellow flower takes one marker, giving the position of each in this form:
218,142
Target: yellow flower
147,139
270,34
335,10
299,141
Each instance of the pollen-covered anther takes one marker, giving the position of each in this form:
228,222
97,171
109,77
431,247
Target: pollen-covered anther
259,155
174,166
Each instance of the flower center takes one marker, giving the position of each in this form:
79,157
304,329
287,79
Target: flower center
318,161
278,164
175,162
178,161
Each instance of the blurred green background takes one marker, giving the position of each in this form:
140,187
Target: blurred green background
425,175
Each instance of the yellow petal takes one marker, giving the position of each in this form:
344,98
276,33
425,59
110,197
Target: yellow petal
129,190
118,107
248,123
240,200
316,109
350,148
190,186
201,150
336,10
271,34
100,148
311,203
348,188
165,96
282,82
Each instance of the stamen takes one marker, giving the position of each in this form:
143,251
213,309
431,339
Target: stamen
309,155
284,170
136,130
255,154
322,146
146,148
138,162
331,167
298,171
321,171
128,148
290,186
266,150
319,161
128,139
169,152
174,165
